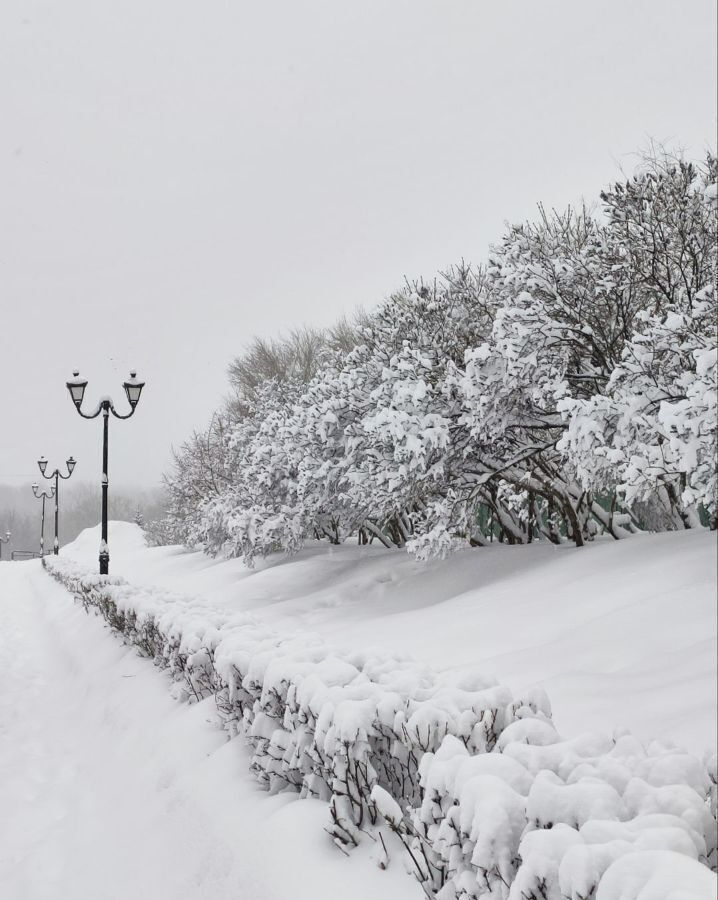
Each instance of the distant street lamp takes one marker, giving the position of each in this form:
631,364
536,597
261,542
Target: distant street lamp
42,464
42,494
4,540
133,388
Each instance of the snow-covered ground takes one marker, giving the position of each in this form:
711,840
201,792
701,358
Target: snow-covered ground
111,790
620,634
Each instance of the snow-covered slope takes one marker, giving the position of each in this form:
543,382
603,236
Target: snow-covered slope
621,634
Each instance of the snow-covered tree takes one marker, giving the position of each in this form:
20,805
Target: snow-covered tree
651,432
199,472
566,389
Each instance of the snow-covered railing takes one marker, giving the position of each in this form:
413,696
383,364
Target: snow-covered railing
486,797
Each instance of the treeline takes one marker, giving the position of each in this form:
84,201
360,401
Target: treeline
564,390
20,512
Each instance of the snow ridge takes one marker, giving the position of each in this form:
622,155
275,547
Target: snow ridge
486,797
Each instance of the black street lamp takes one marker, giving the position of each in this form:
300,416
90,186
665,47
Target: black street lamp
4,540
42,494
42,464
133,389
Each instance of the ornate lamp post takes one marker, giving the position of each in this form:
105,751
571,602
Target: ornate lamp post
4,540
42,464
133,388
42,494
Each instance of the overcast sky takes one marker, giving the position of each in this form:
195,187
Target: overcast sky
179,175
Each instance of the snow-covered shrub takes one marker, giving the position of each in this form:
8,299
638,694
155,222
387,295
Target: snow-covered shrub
565,390
545,818
327,724
651,430
488,800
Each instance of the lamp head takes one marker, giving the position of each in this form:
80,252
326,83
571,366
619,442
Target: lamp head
76,386
133,389
71,463
42,463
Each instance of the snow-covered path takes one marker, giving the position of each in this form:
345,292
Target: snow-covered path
110,789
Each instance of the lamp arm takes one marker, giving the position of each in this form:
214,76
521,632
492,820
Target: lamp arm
93,415
119,415
57,471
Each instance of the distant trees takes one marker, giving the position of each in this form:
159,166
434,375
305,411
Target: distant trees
566,389
79,509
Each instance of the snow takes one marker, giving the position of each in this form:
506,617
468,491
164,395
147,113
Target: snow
621,634
656,876
541,809
110,789
386,805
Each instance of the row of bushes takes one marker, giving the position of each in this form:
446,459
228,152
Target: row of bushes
487,799
565,390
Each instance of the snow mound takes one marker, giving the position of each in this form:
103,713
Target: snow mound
123,538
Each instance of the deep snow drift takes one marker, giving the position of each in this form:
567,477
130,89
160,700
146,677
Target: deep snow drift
621,634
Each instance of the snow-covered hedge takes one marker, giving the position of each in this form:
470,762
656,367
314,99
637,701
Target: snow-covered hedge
486,797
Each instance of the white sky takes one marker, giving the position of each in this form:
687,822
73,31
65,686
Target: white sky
178,175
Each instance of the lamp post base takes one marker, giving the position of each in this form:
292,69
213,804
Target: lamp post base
104,563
